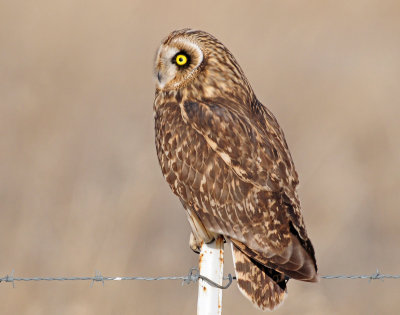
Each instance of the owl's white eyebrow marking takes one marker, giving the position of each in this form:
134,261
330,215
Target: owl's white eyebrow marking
170,52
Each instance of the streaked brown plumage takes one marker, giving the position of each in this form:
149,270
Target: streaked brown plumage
224,155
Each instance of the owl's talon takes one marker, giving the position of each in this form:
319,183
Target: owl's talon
194,244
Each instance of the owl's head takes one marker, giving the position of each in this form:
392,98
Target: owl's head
188,56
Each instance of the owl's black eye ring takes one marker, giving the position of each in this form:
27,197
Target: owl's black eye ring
181,59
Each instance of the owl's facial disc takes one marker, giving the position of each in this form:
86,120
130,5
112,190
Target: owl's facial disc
176,63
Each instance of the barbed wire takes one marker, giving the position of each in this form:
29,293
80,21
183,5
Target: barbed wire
192,276
375,276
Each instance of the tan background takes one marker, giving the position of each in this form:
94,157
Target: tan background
80,185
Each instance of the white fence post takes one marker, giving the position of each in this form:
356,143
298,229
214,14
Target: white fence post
211,265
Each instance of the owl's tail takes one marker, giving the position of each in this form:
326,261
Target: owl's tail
264,287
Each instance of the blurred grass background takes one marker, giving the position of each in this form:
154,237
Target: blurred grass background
80,185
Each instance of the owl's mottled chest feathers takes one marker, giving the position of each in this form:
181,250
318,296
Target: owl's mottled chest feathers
183,154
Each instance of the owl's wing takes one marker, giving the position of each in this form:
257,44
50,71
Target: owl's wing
254,148
257,156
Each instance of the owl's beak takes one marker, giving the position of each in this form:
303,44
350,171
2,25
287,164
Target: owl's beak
159,77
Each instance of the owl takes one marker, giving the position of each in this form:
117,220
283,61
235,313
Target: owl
225,156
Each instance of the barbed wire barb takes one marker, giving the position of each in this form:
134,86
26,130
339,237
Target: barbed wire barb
10,278
193,276
97,277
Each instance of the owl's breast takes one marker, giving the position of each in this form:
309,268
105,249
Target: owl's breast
184,155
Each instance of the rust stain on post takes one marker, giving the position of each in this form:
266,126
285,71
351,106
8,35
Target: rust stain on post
201,259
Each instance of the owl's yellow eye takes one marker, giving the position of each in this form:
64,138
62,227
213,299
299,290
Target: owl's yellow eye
181,60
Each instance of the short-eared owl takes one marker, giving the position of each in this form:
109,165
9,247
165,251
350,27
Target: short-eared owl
224,155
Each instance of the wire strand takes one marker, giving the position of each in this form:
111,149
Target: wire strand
192,276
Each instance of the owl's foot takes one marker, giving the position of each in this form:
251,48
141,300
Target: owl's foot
194,243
